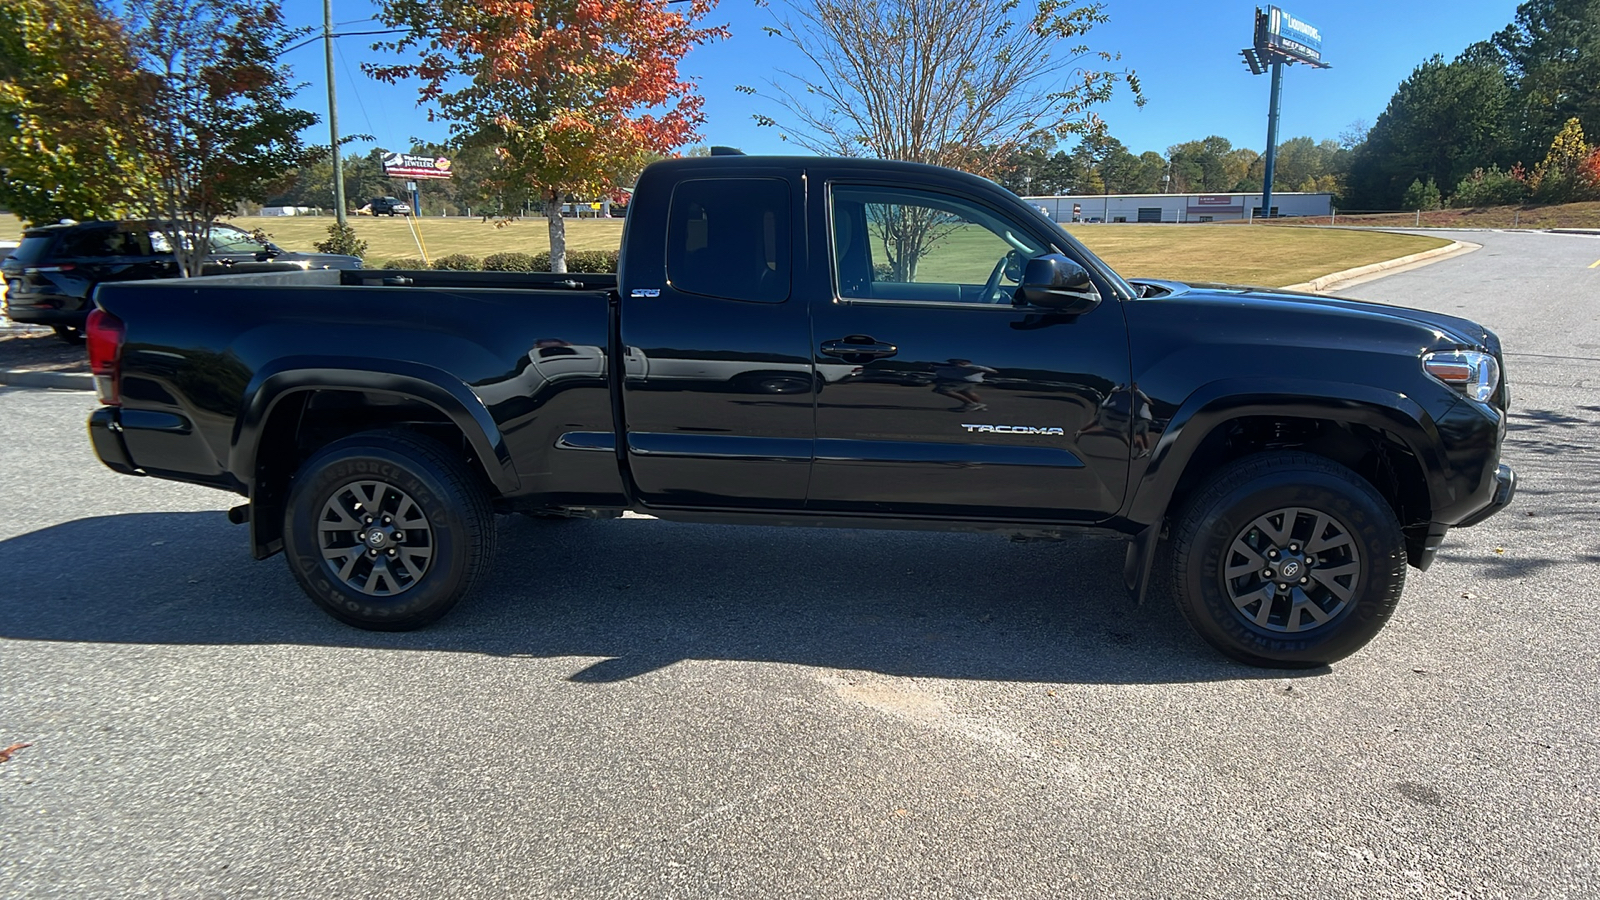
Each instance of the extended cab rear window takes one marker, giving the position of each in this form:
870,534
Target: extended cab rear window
729,238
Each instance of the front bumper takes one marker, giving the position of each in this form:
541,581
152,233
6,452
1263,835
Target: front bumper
1505,488
1423,543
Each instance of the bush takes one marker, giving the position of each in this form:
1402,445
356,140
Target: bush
342,239
1491,188
592,261
1422,196
511,262
459,262
581,261
405,262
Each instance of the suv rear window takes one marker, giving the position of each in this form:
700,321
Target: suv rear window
32,250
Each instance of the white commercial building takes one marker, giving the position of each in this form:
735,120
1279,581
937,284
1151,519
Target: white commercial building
1178,207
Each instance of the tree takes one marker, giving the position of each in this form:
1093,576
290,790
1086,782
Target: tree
1445,120
213,125
958,83
1207,165
64,145
1422,196
573,93
1560,177
1552,53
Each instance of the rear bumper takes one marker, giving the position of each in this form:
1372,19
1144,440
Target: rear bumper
105,433
43,315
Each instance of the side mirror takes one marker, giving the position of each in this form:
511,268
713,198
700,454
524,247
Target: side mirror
1056,283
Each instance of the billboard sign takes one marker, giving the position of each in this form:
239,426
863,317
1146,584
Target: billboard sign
406,165
1281,32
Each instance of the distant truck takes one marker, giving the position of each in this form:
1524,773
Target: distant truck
824,342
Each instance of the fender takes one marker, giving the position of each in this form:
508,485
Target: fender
435,387
1219,402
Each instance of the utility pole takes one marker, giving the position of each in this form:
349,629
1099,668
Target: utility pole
1273,107
333,115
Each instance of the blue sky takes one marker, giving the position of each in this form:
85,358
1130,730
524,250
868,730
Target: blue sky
1186,53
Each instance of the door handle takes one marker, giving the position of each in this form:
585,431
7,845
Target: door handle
858,346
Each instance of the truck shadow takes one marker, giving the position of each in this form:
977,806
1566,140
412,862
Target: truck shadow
640,595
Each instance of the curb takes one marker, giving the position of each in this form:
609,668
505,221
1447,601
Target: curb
1426,257
1593,231
61,381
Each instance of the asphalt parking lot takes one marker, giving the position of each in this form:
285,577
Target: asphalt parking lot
637,708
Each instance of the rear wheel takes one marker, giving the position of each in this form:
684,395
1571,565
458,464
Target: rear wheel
387,530
1287,560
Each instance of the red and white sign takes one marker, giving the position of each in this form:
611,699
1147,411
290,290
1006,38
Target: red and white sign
405,165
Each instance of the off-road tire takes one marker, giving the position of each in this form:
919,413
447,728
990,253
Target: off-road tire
457,523
1223,511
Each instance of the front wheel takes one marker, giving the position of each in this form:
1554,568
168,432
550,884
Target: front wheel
387,530
1287,560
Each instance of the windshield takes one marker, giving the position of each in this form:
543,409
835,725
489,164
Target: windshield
232,240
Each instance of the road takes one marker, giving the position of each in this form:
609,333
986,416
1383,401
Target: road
637,708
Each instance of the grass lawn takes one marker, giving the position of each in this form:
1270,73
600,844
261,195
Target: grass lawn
1235,254
1257,255
388,238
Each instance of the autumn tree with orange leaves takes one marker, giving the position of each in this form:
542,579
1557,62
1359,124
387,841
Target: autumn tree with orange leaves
572,93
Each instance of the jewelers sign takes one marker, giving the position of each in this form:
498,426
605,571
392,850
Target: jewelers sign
405,165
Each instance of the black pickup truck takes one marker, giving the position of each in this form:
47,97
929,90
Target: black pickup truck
821,342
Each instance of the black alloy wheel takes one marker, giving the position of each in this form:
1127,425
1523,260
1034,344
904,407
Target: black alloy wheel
1287,560
387,530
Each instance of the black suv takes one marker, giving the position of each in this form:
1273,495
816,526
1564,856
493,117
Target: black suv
51,276
389,206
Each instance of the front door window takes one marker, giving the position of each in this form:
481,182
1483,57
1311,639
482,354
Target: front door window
893,244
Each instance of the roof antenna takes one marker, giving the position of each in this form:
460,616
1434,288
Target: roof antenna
726,151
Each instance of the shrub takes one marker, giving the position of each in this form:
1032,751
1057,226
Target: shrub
511,262
592,261
405,262
342,239
1491,188
581,261
1422,196
459,262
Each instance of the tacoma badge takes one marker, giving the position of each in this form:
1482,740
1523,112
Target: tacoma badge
1012,429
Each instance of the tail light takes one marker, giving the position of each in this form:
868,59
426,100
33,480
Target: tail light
106,334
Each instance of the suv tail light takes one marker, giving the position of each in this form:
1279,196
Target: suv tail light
106,334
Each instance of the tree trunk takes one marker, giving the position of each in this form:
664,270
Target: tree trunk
558,231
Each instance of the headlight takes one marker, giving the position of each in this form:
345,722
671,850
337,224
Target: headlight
1471,372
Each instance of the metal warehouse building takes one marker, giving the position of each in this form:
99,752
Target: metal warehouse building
1178,207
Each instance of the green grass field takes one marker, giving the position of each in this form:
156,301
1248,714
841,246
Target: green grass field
1234,254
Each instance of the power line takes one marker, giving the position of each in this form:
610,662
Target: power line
355,89
339,34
